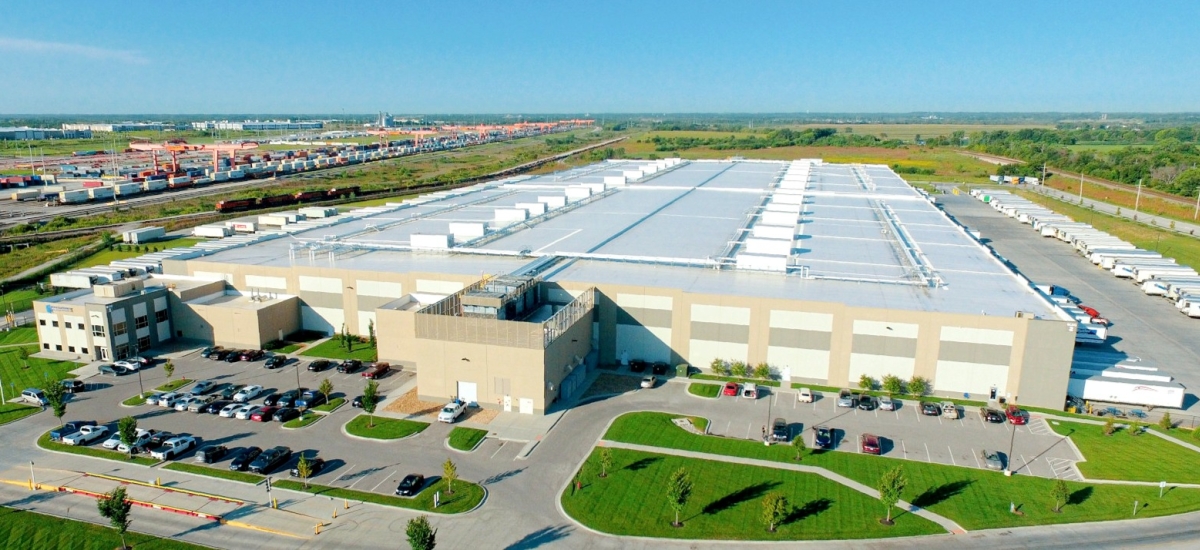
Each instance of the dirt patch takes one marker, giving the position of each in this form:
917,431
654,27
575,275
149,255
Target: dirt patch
411,405
479,416
607,384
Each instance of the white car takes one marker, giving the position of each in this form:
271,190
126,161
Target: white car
886,403
202,387
153,398
113,441
245,412
451,411
196,403
805,395
167,399
174,447
228,410
181,401
129,364
140,440
85,435
750,391
647,382
247,393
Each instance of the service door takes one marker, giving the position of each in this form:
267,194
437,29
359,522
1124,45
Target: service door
468,393
526,405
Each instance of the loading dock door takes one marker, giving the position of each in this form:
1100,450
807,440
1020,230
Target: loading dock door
468,393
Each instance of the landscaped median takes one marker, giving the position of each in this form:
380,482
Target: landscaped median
306,418
466,496
974,498
168,387
25,529
333,349
704,390
95,451
222,473
12,412
331,406
384,428
465,439
1123,456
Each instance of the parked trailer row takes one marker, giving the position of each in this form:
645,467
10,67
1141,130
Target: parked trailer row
1154,274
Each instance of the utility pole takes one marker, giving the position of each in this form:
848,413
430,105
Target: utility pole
1138,201
1008,459
1197,212
1080,186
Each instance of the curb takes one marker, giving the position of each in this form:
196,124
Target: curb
377,440
446,443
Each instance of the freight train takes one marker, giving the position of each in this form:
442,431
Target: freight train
240,205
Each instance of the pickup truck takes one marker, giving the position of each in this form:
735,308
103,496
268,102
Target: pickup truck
69,428
172,448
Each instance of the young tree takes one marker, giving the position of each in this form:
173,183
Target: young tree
304,468
169,369
371,331
24,355
115,508
450,472
762,370
918,386
1109,426
1060,493
679,490
421,535
866,383
718,367
1135,428
1166,423
891,485
798,444
775,507
370,398
325,388
893,384
605,461
127,431
738,369
56,398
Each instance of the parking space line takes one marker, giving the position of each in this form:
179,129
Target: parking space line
497,451
917,412
976,455
381,482
928,457
952,462
1025,464
903,449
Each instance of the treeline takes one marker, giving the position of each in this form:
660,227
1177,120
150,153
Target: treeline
1166,159
776,138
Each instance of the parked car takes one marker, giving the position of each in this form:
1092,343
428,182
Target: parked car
153,398
357,402
112,441
247,393
251,354
659,368
823,438
805,395
637,365
182,402
284,414
226,390
991,460
229,410
34,396
929,408
950,410
1016,415
157,440
310,399
263,414
991,415
870,444
128,364
288,398
244,458
167,399
376,370
209,351
69,428
275,361
220,354
866,403
648,382
211,453
216,406
846,399
750,391
886,403
451,411
204,386
411,485
314,464
174,447
234,356
780,431
731,389
113,370
349,366
272,400
198,403
85,435
319,365
72,385
270,459
246,412
140,441
140,361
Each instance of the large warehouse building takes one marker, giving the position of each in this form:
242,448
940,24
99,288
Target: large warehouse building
507,293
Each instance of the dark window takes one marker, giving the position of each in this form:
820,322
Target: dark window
71,349
143,343
119,328
141,322
45,346
97,330
42,322
54,323
57,347
67,325
160,316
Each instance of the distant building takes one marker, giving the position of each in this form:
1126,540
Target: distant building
23,133
120,127
258,125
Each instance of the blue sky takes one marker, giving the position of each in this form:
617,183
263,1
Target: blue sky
612,56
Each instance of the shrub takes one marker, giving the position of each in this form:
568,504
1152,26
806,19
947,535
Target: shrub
762,370
866,383
918,386
738,369
1165,423
1109,426
893,384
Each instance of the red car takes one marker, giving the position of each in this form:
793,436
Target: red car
731,389
870,444
1016,415
377,370
264,414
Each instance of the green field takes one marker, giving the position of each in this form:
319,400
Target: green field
22,259
1109,456
22,335
466,496
19,300
704,390
385,428
726,502
122,252
975,499
332,349
40,372
1101,147
466,439
12,412
33,531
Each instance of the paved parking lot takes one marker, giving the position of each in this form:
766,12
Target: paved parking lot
905,433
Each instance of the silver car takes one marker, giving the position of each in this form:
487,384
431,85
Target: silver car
991,460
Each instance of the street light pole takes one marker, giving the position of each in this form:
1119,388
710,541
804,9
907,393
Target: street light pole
1008,459
140,386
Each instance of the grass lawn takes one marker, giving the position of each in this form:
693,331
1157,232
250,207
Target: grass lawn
93,450
755,381
303,420
20,300
331,349
1111,456
466,496
726,502
223,473
12,412
704,390
385,428
137,399
174,384
21,335
289,348
966,495
466,439
33,531
331,406
40,372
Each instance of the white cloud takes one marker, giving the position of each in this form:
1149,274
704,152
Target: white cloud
76,50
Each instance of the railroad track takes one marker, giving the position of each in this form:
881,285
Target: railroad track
208,190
